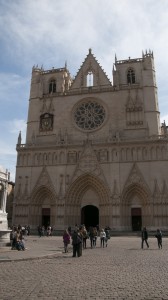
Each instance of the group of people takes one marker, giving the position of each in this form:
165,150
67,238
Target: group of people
144,236
42,231
80,236
17,238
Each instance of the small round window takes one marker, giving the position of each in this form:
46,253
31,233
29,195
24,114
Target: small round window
89,115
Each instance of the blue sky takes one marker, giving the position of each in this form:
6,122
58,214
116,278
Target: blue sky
48,33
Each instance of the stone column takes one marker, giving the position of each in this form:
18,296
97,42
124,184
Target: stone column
4,232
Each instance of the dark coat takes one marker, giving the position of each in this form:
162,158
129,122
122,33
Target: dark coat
76,239
144,234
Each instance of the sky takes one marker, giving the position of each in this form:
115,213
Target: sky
49,33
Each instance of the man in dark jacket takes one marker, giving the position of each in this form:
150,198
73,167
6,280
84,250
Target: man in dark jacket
144,237
76,241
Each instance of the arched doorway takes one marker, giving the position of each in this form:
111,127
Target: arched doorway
42,208
90,216
134,211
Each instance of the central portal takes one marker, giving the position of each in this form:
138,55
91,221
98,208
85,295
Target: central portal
90,216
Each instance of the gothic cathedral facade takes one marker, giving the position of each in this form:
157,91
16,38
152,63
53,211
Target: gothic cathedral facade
95,151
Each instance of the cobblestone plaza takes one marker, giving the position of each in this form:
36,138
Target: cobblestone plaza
122,271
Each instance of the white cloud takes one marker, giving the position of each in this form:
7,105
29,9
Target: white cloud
43,28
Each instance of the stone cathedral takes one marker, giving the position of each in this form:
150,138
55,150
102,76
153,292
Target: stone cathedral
95,150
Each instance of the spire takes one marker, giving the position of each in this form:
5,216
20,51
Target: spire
115,58
19,138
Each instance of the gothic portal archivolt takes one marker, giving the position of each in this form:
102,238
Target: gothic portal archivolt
43,206
76,198
135,203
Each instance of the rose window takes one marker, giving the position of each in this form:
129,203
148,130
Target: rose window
89,115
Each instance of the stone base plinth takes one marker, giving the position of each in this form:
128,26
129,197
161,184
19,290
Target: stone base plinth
5,238
3,221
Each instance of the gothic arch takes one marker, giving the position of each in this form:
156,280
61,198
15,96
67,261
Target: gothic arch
136,195
41,193
82,184
138,189
42,187
77,191
43,198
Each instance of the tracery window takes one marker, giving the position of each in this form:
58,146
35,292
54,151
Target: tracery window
89,115
130,76
52,86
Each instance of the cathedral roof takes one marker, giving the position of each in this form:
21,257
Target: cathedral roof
90,64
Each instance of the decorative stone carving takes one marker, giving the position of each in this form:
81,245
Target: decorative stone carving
4,232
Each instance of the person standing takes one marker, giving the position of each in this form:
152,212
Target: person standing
84,233
102,237
76,241
107,231
95,236
159,238
91,236
144,237
66,240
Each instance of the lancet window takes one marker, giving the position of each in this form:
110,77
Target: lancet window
130,76
52,86
90,79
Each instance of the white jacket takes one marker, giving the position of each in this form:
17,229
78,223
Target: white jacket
102,234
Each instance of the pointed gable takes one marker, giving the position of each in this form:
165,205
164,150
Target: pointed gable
136,178
88,164
44,180
90,67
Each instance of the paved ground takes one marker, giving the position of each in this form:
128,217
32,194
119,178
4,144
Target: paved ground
120,271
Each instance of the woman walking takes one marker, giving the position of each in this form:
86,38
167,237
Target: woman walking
66,240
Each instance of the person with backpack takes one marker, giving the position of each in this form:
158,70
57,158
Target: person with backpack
158,235
76,241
